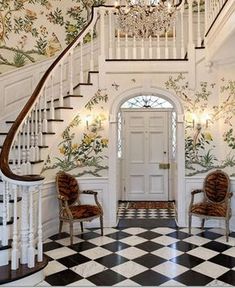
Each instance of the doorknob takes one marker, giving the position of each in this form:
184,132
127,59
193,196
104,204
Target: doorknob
164,152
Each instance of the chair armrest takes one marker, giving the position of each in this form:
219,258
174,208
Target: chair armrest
196,191
89,192
62,198
230,195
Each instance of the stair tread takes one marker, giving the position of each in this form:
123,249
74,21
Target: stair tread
7,275
73,95
11,200
5,247
32,162
50,120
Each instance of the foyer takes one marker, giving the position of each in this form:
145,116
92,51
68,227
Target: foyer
69,101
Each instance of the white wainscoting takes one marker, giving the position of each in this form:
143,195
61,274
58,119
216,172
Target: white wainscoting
50,211
196,182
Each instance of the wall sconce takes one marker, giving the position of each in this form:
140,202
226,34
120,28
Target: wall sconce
88,119
200,121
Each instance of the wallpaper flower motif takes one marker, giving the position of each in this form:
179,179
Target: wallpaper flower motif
200,155
31,30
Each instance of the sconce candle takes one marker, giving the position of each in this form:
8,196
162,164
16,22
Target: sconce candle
88,117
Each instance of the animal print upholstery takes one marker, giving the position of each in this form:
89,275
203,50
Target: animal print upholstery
68,187
209,209
84,211
216,186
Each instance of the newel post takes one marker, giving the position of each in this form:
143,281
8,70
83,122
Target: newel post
102,56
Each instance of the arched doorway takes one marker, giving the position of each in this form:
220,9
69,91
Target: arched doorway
114,163
146,148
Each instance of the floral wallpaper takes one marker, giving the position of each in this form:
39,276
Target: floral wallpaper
32,30
82,149
201,151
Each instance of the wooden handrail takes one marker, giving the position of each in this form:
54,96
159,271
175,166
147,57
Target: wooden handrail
4,156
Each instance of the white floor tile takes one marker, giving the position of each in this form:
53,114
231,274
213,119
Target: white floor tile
133,240
170,269
172,283
107,231
89,268
217,283
95,253
81,283
131,253
134,230
222,239
203,253
167,253
66,241
210,269
60,252
165,240
43,284
127,283
54,267
163,230
197,240
102,240
193,230
129,269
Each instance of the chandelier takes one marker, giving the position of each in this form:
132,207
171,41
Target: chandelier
145,18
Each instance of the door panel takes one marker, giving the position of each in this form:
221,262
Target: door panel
146,146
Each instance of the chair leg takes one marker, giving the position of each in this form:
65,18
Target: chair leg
81,224
71,232
60,226
227,229
101,225
189,223
203,223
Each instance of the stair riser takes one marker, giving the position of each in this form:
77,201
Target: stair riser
5,256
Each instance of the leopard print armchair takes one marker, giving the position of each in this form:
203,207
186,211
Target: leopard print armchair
216,200
70,208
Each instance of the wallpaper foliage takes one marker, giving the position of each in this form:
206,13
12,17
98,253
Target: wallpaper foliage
81,150
201,154
32,30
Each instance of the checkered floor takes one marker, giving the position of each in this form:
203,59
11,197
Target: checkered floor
125,213
141,256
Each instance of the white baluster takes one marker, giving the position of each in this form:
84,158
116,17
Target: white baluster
61,99
182,31
190,22
207,12
28,147
174,44
4,213
24,165
166,46
199,39
102,35
32,138
15,250
92,51
126,45
158,48
14,157
52,108
81,61
24,226
40,121
118,45
36,133
39,244
110,35
19,172
71,72
31,251
44,122
142,48
150,47
134,48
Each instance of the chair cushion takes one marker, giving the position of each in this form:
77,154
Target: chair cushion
84,211
209,209
216,186
68,187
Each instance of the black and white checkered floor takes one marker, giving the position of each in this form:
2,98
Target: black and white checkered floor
137,256
126,213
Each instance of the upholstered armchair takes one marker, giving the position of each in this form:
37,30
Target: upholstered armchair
216,200
70,208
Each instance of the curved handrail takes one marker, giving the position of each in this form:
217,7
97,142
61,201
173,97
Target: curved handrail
4,156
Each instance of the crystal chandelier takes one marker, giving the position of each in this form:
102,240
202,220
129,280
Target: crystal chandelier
145,18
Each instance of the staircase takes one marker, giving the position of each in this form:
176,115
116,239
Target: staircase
68,84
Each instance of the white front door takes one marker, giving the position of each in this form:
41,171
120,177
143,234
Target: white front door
146,154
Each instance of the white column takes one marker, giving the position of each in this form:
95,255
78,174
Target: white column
24,226
31,251
39,244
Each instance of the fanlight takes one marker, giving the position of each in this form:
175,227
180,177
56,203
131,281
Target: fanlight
145,18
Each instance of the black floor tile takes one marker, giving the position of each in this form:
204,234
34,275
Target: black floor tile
228,277
178,235
183,246
62,278
118,235
73,260
216,246
88,235
209,235
51,245
111,260
146,223
187,260
82,246
149,260
150,278
115,246
192,278
224,260
59,236
106,278
149,235
149,246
